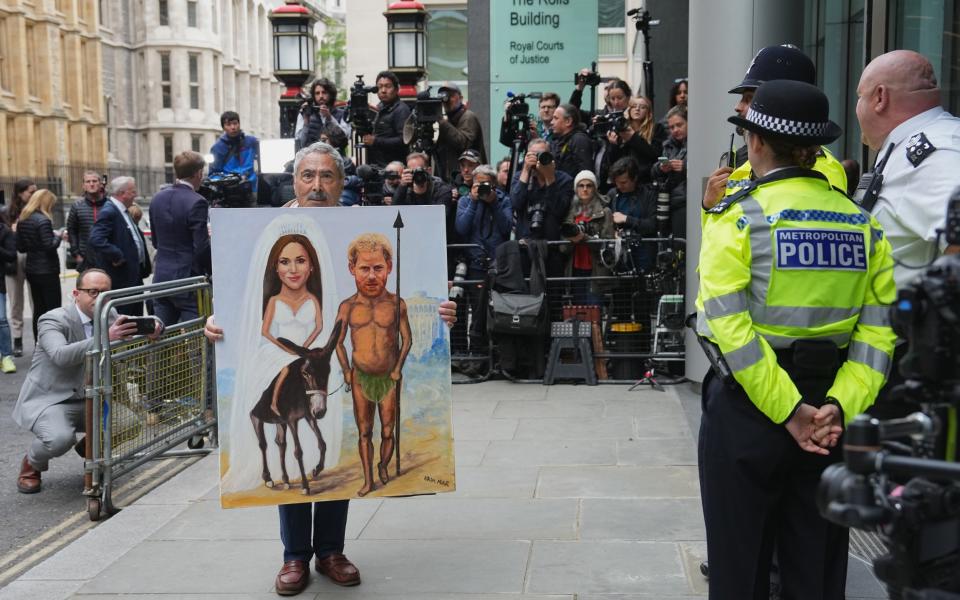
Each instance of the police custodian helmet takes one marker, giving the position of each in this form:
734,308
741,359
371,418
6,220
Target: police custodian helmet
792,111
777,62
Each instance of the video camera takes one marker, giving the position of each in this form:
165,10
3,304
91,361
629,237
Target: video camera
420,131
614,121
371,192
518,116
919,521
225,190
358,109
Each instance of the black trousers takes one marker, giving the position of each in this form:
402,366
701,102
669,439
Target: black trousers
45,294
758,490
327,530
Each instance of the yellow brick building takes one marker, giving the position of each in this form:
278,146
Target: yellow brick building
51,88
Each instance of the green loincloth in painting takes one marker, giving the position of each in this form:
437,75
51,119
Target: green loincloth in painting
375,387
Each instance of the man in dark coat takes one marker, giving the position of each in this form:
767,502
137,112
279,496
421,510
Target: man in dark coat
119,243
178,220
459,132
572,148
385,144
82,216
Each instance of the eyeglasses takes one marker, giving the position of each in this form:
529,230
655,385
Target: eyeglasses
92,292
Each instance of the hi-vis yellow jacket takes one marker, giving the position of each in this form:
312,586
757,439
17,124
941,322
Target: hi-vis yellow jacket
826,164
789,258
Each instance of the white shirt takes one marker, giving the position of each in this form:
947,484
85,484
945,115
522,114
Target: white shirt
87,323
913,199
131,226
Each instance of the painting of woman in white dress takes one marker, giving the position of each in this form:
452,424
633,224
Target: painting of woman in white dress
287,307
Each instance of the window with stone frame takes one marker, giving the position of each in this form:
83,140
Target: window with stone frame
168,158
194,68
163,12
191,13
166,100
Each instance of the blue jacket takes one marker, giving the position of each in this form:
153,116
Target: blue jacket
236,155
178,222
117,251
487,225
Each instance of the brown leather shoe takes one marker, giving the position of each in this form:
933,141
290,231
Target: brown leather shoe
29,480
339,569
293,577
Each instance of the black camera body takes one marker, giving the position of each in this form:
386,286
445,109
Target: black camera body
591,228
518,116
592,78
225,190
420,176
371,190
484,188
614,121
358,108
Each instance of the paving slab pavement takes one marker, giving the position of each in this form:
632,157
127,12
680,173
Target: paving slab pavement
563,492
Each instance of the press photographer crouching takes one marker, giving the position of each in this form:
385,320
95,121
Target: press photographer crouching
484,219
320,112
588,219
541,197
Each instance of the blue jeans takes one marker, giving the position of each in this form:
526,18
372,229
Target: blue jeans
6,347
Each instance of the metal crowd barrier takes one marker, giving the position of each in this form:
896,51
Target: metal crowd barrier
145,397
638,318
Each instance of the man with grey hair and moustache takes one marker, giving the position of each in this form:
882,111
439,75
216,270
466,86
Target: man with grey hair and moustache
318,175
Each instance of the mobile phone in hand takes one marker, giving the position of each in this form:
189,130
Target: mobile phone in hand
145,325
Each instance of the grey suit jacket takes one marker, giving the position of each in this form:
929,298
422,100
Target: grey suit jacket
56,371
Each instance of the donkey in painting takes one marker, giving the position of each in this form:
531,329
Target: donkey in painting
302,395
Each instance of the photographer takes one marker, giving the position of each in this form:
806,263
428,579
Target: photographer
634,209
391,181
385,144
639,137
459,132
584,78
418,185
484,218
671,173
319,113
589,218
539,128
572,148
541,196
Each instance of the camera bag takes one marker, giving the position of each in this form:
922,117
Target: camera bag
521,313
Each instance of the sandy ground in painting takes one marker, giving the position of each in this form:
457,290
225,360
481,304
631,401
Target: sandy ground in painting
426,467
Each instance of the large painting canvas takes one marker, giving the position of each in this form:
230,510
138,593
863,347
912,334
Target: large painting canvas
330,385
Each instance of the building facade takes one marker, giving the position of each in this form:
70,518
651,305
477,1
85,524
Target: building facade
51,88
171,67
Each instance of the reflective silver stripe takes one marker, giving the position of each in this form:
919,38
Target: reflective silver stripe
761,248
799,316
876,359
703,328
745,356
725,305
877,316
782,342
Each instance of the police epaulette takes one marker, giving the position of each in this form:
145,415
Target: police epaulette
728,201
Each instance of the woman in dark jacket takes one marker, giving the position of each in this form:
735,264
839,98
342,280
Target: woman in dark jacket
35,237
672,173
8,258
16,279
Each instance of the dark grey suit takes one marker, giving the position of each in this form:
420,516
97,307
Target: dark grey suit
50,403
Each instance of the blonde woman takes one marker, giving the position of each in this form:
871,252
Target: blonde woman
36,237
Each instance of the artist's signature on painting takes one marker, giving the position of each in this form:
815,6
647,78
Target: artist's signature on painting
443,482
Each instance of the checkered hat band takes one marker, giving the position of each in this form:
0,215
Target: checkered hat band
786,126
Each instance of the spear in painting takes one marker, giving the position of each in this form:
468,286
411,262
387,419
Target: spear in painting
398,225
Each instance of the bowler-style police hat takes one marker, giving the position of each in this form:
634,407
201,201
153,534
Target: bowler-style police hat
792,111
777,62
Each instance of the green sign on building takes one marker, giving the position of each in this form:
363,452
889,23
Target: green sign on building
537,46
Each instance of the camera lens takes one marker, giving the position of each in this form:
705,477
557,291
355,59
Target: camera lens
545,157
